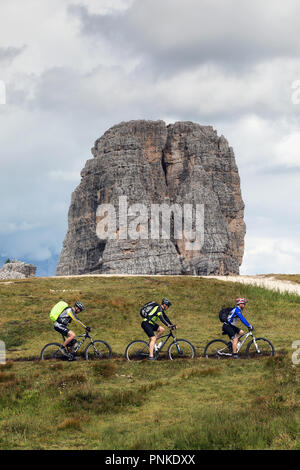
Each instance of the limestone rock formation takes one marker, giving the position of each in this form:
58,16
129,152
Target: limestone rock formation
17,270
182,165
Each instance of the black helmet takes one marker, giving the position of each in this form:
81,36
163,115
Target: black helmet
166,302
79,305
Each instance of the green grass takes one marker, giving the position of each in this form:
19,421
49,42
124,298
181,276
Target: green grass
198,404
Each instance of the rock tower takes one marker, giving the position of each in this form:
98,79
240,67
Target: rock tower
156,166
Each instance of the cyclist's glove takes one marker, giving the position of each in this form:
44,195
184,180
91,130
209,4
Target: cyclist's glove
88,329
250,328
173,327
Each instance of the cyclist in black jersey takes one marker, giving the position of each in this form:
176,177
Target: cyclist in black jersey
152,329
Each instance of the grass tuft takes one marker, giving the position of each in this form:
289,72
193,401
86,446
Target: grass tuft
70,424
105,369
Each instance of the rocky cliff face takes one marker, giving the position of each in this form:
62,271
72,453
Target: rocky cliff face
17,270
183,166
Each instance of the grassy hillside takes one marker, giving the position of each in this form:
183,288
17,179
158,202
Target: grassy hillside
287,277
112,405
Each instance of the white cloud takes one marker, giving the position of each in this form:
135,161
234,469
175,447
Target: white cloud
12,227
271,255
288,149
59,175
104,6
175,33
48,36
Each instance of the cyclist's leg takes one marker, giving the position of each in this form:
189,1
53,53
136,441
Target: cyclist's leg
70,336
235,339
63,330
159,332
149,330
231,331
151,346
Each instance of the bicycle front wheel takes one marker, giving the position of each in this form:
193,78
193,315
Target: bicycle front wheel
217,349
260,347
98,350
181,349
52,351
137,351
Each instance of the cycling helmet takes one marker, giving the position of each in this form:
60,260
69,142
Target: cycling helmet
166,302
79,305
240,300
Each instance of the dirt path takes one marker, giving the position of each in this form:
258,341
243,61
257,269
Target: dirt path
260,280
263,281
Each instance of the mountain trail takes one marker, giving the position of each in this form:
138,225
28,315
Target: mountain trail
268,282
261,280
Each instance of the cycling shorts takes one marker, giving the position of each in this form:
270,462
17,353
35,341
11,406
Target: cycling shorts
60,328
149,329
231,330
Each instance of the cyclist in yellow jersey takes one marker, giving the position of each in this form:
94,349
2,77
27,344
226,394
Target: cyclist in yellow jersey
62,322
150,326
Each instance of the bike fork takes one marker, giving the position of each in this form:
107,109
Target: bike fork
178,348
256,347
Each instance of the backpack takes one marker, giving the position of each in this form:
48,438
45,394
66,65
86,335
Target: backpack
146,309
223,314
57,310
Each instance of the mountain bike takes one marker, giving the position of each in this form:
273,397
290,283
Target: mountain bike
95,350
138,350
256,347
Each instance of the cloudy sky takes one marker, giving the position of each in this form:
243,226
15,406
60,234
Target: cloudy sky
74,68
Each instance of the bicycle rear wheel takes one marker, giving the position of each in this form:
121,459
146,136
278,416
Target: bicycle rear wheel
98,350
217,349
137,351
181,349
52,351
260,347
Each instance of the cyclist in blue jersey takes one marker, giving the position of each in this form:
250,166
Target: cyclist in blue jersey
230,328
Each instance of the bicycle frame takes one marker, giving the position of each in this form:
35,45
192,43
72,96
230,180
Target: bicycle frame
241,343
245,339
167,336
85,336
246,336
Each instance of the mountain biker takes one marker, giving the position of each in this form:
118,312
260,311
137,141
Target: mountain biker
229,326
150,326
62,322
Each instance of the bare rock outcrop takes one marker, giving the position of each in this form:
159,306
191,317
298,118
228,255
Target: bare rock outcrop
17,270
174,167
